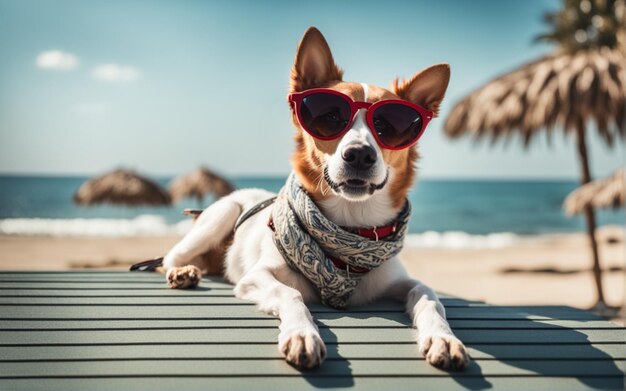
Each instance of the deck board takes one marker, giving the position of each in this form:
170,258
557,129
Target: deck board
570,352
269,383
236,334
118,330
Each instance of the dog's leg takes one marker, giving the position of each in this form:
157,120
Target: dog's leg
436,340
210,229
299,339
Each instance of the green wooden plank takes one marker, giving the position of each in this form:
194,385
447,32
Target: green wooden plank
76,272
388,320
201,297
79,275
344,335
98,288
534,324
278,367
384,306
86,276
122,293
121,281
131,292
194,312
606,352
166,300
94,275
174,325
309,382
113,284
37,282
88,280
120,301
140,289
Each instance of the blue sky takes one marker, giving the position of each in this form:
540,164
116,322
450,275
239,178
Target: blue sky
164,86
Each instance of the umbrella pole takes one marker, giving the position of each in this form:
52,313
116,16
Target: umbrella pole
589,212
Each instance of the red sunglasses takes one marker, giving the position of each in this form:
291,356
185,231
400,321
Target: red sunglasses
328,114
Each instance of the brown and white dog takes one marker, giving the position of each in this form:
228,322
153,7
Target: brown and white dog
256,267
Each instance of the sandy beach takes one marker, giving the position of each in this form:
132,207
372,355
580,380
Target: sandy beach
539,270
547,269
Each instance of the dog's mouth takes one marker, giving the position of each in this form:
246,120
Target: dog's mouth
355,187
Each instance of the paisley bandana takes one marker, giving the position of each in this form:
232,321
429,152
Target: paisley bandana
307,241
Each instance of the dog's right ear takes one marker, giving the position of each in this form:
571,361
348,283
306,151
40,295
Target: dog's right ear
314,65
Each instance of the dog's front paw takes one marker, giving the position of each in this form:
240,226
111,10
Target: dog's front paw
183,277
302,349
445,352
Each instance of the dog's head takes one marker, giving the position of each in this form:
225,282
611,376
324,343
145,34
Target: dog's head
354,166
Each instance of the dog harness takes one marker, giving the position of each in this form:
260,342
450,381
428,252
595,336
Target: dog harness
332,258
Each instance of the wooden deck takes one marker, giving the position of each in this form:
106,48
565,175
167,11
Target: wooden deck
128,331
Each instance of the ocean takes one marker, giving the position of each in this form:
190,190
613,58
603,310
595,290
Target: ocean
449,213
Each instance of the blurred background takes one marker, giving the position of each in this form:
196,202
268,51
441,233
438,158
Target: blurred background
167,105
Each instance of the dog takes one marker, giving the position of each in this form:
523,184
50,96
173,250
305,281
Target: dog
357,177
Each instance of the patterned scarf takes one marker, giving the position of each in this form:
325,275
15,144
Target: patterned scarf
307,240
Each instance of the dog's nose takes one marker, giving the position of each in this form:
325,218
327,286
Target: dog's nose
359,157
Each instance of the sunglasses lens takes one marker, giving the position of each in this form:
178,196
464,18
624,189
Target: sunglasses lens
324,115
397,125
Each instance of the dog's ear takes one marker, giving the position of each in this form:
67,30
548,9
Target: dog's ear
427,88
314,65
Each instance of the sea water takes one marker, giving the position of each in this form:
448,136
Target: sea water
446,213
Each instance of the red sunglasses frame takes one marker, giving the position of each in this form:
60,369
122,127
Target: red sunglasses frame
297,97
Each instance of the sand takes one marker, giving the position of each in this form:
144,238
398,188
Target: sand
539,270
543,270
62,253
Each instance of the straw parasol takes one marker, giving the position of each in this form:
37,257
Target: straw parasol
121,187
197,183
564,90
609,192
568,90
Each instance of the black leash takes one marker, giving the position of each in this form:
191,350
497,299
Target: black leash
147,266
254,210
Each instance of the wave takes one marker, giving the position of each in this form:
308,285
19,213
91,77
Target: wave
144,225
458,240
152,225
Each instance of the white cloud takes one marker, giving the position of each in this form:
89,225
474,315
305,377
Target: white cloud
57,59
115,72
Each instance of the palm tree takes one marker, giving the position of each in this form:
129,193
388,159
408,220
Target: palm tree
585,24
584,80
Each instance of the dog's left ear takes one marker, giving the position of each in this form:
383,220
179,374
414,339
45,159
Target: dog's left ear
427,88
314,64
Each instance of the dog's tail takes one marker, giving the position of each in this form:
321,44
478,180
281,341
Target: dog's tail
206,242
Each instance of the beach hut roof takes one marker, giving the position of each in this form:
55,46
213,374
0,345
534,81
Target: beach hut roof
121,187
198,183
563,89
601,193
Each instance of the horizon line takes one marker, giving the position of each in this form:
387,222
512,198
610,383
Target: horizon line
284,175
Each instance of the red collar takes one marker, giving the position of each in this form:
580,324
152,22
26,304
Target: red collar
374,233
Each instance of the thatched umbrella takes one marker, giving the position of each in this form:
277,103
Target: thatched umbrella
564,90
198,183
608,192
121,187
